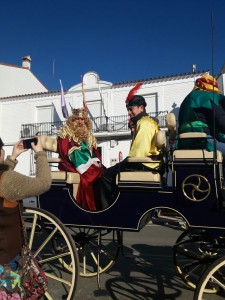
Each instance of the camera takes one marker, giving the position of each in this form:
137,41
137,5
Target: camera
27,143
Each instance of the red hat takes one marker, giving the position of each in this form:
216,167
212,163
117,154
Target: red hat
133,99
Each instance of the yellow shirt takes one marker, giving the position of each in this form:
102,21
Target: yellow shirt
144,140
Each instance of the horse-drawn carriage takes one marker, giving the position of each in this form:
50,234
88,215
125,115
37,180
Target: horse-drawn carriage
60,230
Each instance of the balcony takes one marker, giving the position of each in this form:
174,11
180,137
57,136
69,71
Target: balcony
114,124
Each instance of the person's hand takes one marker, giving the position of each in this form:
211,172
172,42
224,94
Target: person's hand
97,163
17,149
38,147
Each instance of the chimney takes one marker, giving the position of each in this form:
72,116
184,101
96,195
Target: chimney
26,62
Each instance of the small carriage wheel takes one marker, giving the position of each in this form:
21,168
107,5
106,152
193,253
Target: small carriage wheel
88,248
213,276
192,254
196,187
42,227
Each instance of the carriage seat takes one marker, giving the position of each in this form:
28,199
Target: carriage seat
144,179
50,144
195,154
192,135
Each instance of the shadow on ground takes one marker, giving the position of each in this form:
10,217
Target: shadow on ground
143,272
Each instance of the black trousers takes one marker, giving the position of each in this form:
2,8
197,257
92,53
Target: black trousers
108,187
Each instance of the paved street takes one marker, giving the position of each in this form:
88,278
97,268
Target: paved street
145,271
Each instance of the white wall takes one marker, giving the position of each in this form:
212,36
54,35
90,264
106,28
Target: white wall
111,150
18,81
221,82
163,94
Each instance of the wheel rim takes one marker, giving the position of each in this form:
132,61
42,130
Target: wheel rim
193,253
213,276
42,228
88,247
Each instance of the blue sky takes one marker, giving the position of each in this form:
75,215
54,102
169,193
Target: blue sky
121,40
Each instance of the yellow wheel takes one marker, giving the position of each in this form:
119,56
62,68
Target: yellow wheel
97,250
212,278
193,253
43,229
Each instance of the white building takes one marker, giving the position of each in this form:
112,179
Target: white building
19,80
27,107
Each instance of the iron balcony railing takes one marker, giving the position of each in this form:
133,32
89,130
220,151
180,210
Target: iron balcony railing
100,124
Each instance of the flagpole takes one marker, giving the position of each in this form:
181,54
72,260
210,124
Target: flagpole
63,102
212,32
53,73
83,93
85,104
102,102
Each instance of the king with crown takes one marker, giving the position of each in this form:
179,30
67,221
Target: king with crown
77,148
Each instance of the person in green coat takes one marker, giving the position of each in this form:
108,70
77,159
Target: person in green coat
203,110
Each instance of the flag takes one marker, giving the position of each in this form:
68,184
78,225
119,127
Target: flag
63,103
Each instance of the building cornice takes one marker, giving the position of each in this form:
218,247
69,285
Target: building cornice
160,78
114,85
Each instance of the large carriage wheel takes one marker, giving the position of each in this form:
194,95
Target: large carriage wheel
214,276
42,229
97,250
193,253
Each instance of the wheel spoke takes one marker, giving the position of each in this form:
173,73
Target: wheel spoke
88,250
213,277
218,282
46,241
48,296
189,253
54,257
193,252
33,231
44,230
58,279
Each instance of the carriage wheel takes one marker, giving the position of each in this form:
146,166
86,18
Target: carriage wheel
193,253
88,247
214,276
42,228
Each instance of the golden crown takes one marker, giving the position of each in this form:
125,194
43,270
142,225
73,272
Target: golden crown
79,112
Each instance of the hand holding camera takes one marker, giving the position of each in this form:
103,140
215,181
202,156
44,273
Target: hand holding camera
25,144
33,143
37,145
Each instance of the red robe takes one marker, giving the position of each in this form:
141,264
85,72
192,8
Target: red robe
87,194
